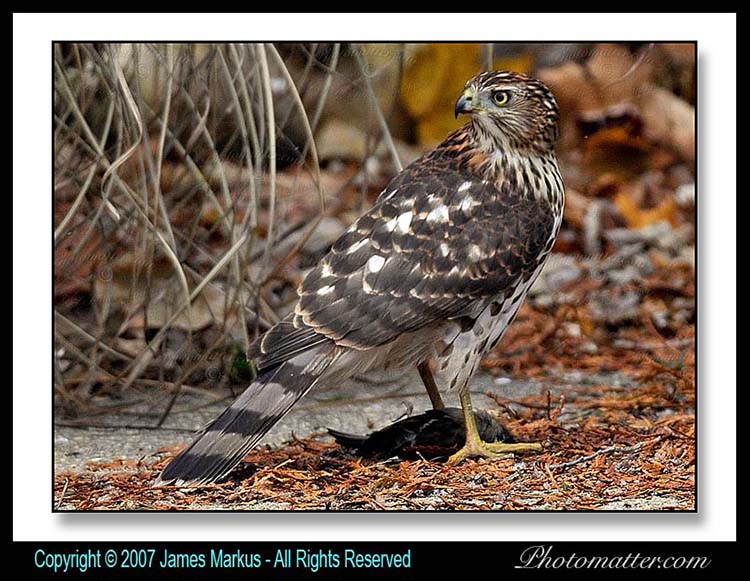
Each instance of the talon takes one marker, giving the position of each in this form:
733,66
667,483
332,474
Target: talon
458,457
475,447
492,450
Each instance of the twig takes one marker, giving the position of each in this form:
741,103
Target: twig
489,56
270,119
504,401
378,112
633,67
609,450
98,425
330,69
62,495
87,183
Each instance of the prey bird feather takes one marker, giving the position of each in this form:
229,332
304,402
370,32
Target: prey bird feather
431,435
431,276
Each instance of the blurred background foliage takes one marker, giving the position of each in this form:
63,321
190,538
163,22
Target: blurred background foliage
195,184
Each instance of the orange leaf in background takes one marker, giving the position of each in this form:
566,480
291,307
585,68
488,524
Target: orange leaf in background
521,63
617,151
433,80
613,81
636,217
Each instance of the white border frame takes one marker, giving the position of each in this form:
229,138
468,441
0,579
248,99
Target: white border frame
32,519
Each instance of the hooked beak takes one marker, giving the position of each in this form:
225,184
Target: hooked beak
463,105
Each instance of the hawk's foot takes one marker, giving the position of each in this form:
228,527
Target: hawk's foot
476,448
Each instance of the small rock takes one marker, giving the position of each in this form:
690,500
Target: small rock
588,347
571,329
685,195
560,271
660,319
614,307
650,234
624,276
592,225
573,377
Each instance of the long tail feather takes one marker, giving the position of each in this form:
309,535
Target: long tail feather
219,447
354,441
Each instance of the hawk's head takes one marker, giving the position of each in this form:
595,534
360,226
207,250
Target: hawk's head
511,109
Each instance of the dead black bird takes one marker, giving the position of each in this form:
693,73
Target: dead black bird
436,433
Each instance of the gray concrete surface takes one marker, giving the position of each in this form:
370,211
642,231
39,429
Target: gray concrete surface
358,407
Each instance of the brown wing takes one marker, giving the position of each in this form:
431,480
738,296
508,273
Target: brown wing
435,243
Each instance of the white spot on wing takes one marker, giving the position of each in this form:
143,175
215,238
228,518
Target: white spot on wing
439,214
375,264
475,253
467,204
325,290
444,249
403,222
325,270
464,186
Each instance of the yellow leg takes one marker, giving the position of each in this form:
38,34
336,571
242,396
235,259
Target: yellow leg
476,447
429,383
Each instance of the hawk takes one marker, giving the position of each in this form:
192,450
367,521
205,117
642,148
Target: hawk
431,276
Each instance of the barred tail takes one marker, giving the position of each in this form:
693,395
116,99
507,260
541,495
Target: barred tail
219,447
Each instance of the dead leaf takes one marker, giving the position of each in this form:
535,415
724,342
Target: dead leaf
126,287
636,217
669,120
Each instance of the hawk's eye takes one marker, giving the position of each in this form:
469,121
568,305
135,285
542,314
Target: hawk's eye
501,98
